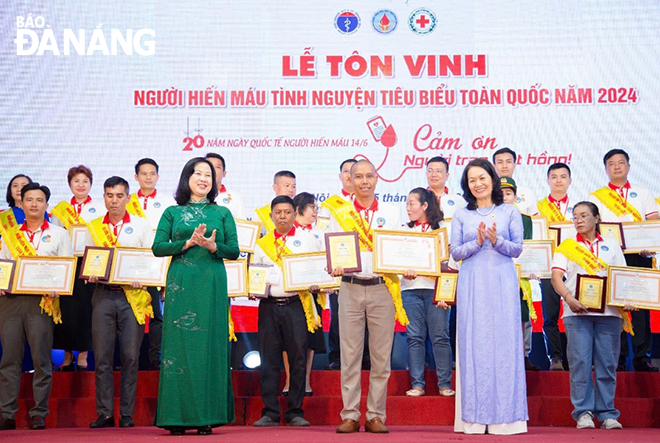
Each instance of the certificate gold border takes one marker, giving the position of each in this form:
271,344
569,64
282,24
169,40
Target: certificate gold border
585,279
611,280
621,239
243,266
350,236
542,219
452,276
20,263
551,243
559,227
255,227
641,223
72,234
254,266
9,267
289,257
432,235
162,279
84,262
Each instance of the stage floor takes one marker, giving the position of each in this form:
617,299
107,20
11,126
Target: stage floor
322,434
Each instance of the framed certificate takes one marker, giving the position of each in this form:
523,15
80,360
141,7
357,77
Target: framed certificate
323,223
257,281
591,290
39,275
248,234
237,278
639,287
138,264
563,230
445,288
518,272
6,274
540,228
97,262
536,258
78,234
343,249
304,270
397,251
641,236
613,231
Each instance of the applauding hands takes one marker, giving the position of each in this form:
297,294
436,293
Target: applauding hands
484,233
197,239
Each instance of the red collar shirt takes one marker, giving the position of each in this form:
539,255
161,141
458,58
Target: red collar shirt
49,240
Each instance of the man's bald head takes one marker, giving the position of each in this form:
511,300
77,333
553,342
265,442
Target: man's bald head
362,165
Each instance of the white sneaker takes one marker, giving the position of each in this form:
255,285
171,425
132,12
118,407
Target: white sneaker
611,423
587,421
415,392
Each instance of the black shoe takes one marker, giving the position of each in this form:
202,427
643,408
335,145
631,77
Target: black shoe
204,430
104,421
125,421
81,368
646,367
621,367
66,368
529,366
7,423
309,393
334,366
37,422
285,393
177,430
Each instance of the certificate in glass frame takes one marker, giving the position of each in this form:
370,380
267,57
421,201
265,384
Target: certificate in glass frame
540,228
248,234
138,264
257,280
97,262
639,287
304,270
343,249
7,268
591,290
445,288
237,278
38,275
536,258
397,251
640,236
613,231
78,234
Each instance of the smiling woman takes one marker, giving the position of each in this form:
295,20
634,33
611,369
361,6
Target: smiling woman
195,349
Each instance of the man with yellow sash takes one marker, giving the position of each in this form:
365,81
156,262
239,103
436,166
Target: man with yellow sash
284,317
556,207
118,310
284,183
620,201
148,203
592,336
365,297
29,316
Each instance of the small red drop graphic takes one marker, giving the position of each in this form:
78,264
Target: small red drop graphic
388,139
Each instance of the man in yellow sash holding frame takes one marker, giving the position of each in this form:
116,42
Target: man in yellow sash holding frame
29,316
284,317
620,201
118,310
365,297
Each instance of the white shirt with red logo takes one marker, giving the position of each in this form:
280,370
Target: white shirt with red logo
49,240
640,198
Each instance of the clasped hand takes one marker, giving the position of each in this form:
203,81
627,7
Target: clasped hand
197,238
484,233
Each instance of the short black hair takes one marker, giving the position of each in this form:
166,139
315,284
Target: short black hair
282,199
284,174
434,214
302,200
34,186
183,192
216,156
438,159
496,194
613,152
116,181
505,151
10,200
145,161
348,160
559,166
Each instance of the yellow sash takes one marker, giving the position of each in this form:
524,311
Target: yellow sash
615,203
351,221
8,222
65,213
526,288
264,215
584,258
134,207
550,211
267,244
19,246
139,299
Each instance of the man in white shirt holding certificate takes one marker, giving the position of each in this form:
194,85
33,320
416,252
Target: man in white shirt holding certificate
28,316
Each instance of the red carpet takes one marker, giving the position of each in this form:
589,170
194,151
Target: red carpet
72,401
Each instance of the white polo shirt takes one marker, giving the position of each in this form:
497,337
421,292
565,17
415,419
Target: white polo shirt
640,198
87,211
154,205
298,241
130,231
379,216
564,205
607,250
231,201
449,203
49,240
526,201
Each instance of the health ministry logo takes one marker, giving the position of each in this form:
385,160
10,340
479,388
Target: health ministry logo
347,21
35,37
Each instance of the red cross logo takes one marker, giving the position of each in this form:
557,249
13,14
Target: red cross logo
422,21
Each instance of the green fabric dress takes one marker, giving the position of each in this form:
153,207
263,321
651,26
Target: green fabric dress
195,378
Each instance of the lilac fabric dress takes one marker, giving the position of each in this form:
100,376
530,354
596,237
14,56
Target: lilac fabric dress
490,342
